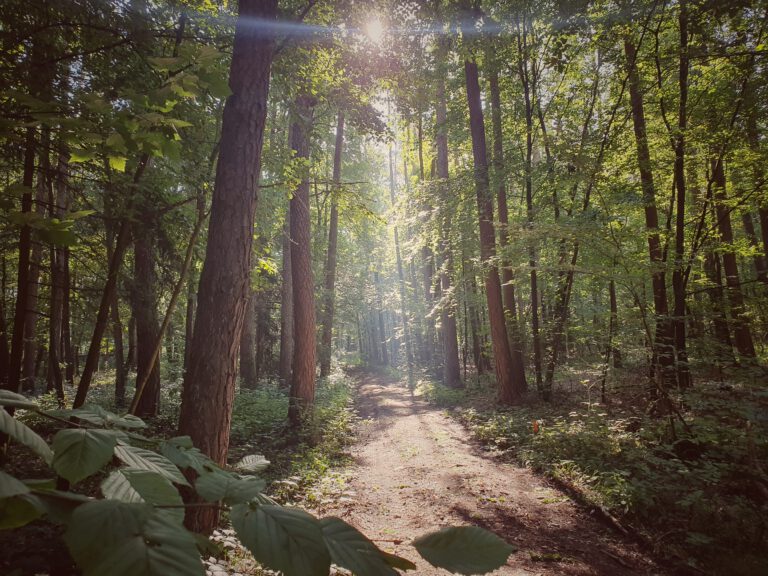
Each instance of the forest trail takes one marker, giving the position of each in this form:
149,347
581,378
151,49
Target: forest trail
416,469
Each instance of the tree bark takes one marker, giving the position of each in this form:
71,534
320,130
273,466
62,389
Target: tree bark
451,370
144,300
741,330
23,272
286,308
528,171
400,275
121,245
507,276
382,335
302,394
209,384
248,371
510,388
189,321
326,341
678,282
663,346
58,205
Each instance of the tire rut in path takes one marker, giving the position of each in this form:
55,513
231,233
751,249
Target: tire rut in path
417,470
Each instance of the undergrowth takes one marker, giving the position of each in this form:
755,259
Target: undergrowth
693,485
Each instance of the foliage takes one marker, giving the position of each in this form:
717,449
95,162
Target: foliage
136,527
694,488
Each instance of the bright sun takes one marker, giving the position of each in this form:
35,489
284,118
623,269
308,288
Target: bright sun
374,29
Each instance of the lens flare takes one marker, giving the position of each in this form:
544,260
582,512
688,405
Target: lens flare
374,29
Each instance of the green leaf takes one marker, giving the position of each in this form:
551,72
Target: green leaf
116,142
59,505
11,486
350,549
24,435
18,511
147,460
232,489
78,214
132,541
80,453
8,398
284,539
464,549
177,451
252,464
77,155
397,561
143,486
118,163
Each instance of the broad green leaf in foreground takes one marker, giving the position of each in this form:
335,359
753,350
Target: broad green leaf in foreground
141,486
214,486
181,452
10,486
464,549
19,510
350,549
132,541
284,539
8,398
147,460
81,452
24,435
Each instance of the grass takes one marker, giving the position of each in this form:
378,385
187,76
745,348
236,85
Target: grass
695,489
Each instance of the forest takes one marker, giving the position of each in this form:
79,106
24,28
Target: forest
313,287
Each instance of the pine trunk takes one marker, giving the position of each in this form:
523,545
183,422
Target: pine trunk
302,394
510,388
209,384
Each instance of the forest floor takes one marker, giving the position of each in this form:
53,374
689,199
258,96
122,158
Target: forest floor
416,469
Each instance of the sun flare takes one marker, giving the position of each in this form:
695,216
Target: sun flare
374,29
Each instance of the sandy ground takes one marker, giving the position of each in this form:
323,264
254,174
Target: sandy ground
416,469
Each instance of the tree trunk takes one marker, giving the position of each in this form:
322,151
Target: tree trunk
23,272
451,373
384,356
741,330
400,276
510,388
678,282
248,372
31,344
209,384
144,300
724,348
663,348
326,341
117,333
58,205
189,321
302,395
507,277
130,358
286,308
758,260
100,325
522,66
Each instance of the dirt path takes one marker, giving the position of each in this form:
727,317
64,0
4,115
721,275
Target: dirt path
416,470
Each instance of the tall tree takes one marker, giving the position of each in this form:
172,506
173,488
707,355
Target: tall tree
302,392
510,389
329,296
451,373
209,384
